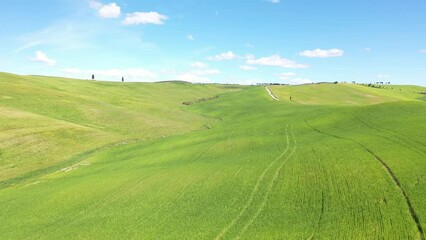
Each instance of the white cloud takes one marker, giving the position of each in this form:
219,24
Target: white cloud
72,71
144,18
168,71
43,58
206,72
190,37
75,35
423,51
198,76
223,56
319,53
368,50
249,57
190,77
110,10
95,5
250,81
274,60
384,76
289,78
65,35
248,68
274,1
199,65
28,45
286,75
298,81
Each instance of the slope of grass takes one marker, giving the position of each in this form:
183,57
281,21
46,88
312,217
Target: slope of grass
346,94
45,121
267,170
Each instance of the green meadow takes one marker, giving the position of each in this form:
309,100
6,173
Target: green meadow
100,160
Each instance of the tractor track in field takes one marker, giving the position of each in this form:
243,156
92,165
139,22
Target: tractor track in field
256,189
319,218
61,165
404,193
392,175
96,206
321,214
403,142
87,211
179,195
183,192
237,172
376,126
269,189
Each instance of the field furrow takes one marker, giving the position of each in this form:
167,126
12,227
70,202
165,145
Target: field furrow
259,185
391,174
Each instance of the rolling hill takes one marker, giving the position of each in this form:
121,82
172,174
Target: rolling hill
101,160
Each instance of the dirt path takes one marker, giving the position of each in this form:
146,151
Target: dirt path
271,94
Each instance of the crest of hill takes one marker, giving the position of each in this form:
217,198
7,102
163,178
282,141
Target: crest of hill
175,81
348,94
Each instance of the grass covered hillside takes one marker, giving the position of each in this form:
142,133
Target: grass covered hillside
96,160
47,121
347,94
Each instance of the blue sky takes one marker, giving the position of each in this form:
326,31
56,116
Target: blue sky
219,41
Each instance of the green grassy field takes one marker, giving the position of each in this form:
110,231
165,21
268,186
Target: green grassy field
98,160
